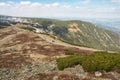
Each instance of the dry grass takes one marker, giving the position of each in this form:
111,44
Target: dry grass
20,46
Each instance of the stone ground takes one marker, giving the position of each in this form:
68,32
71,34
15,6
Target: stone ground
47,70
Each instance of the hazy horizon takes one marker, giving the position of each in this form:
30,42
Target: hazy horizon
62,9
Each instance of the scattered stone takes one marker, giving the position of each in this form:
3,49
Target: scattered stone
55,78
115,74
98,74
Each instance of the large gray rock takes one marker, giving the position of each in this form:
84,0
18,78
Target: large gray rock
77,70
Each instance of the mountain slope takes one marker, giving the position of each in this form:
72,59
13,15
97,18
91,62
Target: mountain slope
24,53
75,32
27,55
19,46
81,33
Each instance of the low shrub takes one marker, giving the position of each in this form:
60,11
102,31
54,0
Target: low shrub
92,62
69,61
68,52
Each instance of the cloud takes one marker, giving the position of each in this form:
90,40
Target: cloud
28,4
115,1
25,2
55,4
85,2
36,9
66,6
36,4
2,4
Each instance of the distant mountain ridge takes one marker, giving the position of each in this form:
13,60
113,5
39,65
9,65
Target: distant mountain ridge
77,32
109,24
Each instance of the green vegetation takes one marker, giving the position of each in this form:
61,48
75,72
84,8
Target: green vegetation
3,25
93,62
69,42
60,31
68,52
28,28
41,74
45,24
68,61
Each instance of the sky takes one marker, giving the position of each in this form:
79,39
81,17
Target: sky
61,8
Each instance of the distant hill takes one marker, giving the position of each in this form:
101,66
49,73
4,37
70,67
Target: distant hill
81,33
78,32
109,24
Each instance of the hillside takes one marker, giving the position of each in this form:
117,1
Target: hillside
37,51
74,32
80,33
27,55
21,49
